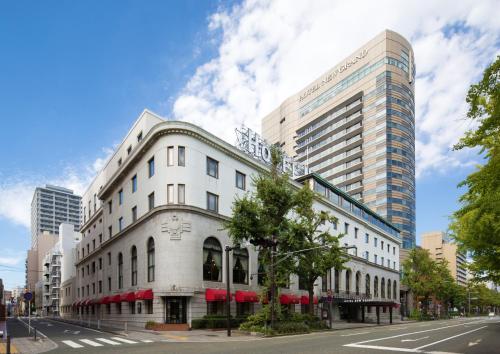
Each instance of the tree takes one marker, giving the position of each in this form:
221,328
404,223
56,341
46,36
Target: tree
419,274
476,225
446,288
310,230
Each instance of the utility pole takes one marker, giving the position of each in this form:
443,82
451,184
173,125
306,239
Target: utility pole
228,293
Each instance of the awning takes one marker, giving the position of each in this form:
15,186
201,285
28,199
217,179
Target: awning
115,299
127,297
287,299
246,296
76,303
304,300
87,302
105,300
216,295
144,294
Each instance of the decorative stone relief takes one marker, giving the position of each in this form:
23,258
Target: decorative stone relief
175,226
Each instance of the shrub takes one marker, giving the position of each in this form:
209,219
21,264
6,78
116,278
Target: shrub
150,324
215,321
291,327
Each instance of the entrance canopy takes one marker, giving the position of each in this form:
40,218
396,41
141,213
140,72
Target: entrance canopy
216,295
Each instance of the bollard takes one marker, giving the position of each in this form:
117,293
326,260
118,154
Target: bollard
35,332
8,345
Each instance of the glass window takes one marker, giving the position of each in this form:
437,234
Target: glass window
170,156
367,238
134,214
358,282
134,184
394,288
109,258
375,240
212,202
181,156
261,276
212,167
129,150
170,193
181,193
100,263
139,137
388,288
382,288
134,265
375,287
212,260
120,224
120,197
120,271
151,167
367,285
151,259
240,180
240,266
346,228
348,281
151,200
337,281
149,306
110,206
356,232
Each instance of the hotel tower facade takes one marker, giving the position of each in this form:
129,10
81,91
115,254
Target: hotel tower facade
355,126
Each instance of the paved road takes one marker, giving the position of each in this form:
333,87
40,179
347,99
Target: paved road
468,336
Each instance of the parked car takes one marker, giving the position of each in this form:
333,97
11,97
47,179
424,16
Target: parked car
491,314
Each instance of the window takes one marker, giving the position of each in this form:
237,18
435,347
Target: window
212,202
133,263
375,241
109,258
394,265
212,260
120,197
139,307
139,137
240,180
93,267
109,283
170,194
110,206
212,167
324,282
358,282
261,276
367,284
181,193
394,290
347,281
100,286
355,232
367,238
100,262
388,248
337,281
120,271
151,200
382,288
151,259
100,238
108,309
244,308
149,306
170,156
346,228
181,156
240,266
388,263
129,150
120,224
394,250
88,248
367,255
134,184
382,261
151,167
119,162
382,245
134,214
93,245
388,288
119,308
375,258
375,287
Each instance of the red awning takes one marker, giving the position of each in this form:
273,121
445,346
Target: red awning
76,303
115,299
216,295
144,294
304,300
127,297
246,296
87,302
287,299
105,300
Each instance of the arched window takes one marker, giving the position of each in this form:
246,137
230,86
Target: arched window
389,288
261,276
358,282
382,288
120,270
375,287
367,285
133,265
240,266
151,259
394,288
348,281
212,260
337,280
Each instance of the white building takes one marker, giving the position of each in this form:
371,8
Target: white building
153,239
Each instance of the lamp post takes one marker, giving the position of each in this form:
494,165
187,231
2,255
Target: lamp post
228,293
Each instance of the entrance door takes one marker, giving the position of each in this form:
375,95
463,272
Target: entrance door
175,310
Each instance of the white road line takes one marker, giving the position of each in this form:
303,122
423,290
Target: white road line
445,339
146,340
107,341
354,334
397,329
90,342
124,340
393,349
72,344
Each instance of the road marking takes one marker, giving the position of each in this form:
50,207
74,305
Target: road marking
455,336
425,325
413,340
146,340
393,349
91,342
354,334
72,344
124,340
107,341
397,329
475,343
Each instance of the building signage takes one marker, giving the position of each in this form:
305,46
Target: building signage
332,75
252,144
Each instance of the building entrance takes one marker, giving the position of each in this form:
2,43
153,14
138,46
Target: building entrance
175,310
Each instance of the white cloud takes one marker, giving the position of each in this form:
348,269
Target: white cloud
11,258
17,192
268,50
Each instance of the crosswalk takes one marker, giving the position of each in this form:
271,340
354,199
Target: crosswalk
99,342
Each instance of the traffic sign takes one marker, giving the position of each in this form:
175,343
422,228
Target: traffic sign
28,296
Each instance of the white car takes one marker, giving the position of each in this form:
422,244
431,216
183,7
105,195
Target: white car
491,314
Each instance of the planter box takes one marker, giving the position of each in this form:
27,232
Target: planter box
168,327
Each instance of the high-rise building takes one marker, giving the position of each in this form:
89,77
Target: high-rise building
355,126
50,207
440,248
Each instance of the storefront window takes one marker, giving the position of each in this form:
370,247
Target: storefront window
212,260
240,266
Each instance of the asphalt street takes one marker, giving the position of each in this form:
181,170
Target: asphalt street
475,335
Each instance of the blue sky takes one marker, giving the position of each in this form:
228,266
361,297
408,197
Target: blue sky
74,76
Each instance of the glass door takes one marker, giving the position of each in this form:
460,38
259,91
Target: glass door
175,310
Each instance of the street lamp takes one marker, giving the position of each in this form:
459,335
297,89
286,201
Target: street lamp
228,294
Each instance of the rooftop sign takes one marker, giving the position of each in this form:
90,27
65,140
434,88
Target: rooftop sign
253,145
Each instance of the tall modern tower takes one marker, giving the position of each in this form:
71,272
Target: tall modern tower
355,126
50,207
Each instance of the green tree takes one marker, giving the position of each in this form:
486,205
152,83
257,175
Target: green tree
310,230
446,288
476,225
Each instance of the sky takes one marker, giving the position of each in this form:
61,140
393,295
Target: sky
74,76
